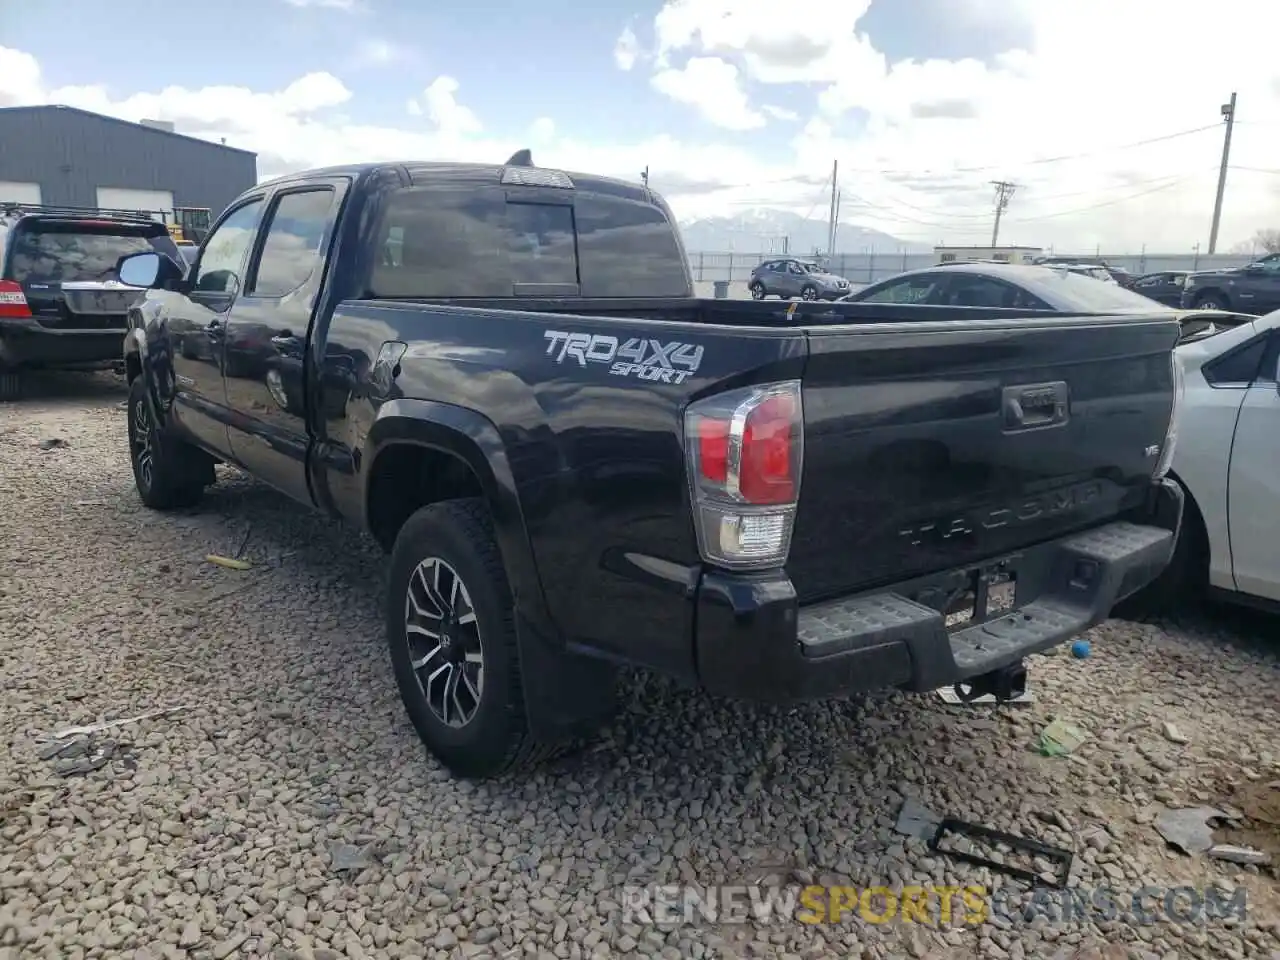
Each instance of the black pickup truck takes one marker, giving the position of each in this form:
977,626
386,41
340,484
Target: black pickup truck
500,372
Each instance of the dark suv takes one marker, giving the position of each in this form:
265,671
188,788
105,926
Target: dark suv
789,277
61,305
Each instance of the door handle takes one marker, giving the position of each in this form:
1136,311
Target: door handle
286,339
214,330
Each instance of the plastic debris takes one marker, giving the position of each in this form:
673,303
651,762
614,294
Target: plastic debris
950,696
1234,854
1188,829
93,728
229,562
916,820
346,856
1060,738
1081,649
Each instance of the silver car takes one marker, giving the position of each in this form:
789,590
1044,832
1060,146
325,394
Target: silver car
789,277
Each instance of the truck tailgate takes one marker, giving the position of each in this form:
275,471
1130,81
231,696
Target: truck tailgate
931,446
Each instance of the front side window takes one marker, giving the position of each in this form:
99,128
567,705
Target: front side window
292,248
223,255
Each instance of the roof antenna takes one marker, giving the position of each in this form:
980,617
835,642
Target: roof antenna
521,158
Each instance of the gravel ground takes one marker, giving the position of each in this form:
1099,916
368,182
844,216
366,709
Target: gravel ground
291,812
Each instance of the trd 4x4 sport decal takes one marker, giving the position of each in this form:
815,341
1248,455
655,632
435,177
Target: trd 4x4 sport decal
671,362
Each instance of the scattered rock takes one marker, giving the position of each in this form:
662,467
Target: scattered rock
325,831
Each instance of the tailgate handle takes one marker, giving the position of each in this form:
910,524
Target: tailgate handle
1035,406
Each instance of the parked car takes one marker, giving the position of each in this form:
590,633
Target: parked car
60,304
1163,286
788,277
575,464
1254,288
1004,286
1227,461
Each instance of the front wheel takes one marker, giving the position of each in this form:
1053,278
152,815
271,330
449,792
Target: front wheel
809,293
451,632
1211,302
168,473
758,291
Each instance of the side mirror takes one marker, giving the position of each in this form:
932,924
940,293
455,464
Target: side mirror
1254,271
140,269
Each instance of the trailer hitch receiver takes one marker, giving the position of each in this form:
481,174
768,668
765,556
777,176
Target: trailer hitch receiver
1007,683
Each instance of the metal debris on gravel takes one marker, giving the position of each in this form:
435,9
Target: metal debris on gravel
295,814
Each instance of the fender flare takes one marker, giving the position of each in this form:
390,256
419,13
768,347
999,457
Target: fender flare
475,440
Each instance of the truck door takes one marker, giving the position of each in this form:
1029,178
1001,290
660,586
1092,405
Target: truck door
268,335
197,324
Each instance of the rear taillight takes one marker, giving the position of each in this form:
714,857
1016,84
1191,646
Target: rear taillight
13,302
744,451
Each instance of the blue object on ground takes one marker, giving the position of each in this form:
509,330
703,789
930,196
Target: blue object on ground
1080,649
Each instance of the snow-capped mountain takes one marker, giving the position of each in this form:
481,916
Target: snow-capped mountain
765,230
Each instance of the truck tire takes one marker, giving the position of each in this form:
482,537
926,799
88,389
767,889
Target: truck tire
1211,301
168,473
10,385
452,638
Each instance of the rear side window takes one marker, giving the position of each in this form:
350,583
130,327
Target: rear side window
58,254
1238,368
291,250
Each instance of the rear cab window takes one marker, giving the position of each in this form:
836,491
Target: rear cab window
487,242
51,252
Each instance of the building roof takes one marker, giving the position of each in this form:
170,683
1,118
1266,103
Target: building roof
137,126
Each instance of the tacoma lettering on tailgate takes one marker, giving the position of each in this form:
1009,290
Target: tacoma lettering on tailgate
1026,510
654,360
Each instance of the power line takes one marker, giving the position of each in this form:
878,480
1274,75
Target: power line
1107,203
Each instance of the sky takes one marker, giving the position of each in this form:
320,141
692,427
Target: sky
1106,115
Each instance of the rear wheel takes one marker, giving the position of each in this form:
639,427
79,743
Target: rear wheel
758,291
809,292
1212,301
168,473
451,632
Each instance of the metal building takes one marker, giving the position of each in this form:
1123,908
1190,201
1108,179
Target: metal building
63,156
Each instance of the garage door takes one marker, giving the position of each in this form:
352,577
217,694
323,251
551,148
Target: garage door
123,198
14,192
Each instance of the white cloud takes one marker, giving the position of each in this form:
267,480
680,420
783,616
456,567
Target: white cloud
710,85
917,142
543,129
780,113
450,117
626,50
348,6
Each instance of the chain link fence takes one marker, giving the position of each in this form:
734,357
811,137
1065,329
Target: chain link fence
709,266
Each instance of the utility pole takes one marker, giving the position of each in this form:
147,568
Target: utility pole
831,218
645,175
1229,115
1004,193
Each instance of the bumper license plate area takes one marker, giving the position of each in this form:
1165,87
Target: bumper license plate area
990,592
